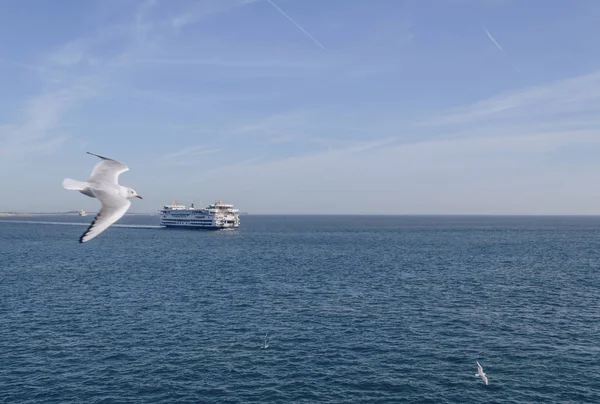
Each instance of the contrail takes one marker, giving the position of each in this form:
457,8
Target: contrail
500,48
296,24
493,39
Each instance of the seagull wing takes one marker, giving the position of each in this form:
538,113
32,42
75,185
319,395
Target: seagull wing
108,170
479,368
484,377
113,208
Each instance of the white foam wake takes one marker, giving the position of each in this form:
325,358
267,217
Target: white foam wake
130,226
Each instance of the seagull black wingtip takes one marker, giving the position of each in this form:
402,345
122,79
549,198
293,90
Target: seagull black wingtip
97,155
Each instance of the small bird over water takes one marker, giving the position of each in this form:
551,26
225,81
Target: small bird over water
103,184
480,373
265,345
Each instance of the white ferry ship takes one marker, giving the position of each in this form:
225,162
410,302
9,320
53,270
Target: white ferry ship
82,213
215,216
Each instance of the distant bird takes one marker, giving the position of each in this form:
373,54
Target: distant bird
104,185
480,373
265,345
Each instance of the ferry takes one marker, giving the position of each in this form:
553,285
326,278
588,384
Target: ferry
215,216
82,213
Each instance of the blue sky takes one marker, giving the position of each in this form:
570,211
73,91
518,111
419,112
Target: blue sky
347,106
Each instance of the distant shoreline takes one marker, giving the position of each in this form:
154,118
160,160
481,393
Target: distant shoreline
35,214
5,214
439,215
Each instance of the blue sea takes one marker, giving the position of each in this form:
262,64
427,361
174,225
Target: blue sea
358,309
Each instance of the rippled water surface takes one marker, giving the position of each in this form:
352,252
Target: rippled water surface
358,309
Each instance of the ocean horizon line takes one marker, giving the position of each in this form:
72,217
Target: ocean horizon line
70,213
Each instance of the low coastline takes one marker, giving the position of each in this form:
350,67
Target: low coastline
11,214
5,214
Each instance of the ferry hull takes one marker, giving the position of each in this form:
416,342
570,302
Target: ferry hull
172,226
192,226
217,216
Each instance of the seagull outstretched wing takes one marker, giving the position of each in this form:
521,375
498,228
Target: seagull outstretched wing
481,373
113,208
108,170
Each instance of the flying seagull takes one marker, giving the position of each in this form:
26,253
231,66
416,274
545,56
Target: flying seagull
265,345
104,185
480,373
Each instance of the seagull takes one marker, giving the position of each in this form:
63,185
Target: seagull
104,185
265,345
480,373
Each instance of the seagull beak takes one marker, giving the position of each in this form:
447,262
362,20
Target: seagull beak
137,196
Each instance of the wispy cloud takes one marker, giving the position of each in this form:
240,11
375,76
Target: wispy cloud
202,9
503,144
68,55
346,124
19,141
275,124
574,95
40,127
239,165
258,63
188,156
377,176
296,24
345,148
27,66
70,74
86,67
306,131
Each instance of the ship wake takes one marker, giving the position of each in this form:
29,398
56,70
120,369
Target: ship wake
128,226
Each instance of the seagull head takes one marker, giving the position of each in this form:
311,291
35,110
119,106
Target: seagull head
132,194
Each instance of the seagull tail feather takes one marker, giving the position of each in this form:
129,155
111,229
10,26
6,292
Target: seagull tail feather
74,185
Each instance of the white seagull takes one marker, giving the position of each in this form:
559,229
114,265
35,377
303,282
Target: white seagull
104,185
265,345
480,373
